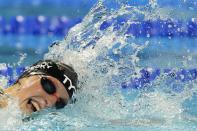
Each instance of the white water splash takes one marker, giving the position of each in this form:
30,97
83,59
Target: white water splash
11,116
100,101
86,48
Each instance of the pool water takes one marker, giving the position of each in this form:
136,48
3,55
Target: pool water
130,78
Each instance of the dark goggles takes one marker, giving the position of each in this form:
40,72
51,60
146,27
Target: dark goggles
50,88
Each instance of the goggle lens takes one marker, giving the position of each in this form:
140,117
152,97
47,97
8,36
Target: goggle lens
50,88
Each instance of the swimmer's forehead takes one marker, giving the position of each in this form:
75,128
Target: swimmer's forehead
32,78
27,80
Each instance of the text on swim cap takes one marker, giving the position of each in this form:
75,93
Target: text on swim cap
67,79
43,65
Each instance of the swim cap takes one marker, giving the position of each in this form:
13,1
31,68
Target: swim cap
60,71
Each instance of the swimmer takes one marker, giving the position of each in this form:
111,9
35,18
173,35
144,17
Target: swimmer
45,84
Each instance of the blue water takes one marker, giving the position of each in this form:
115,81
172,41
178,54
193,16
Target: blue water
133,76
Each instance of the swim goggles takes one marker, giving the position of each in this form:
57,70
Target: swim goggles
50,88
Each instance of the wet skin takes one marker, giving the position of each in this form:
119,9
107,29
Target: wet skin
32,97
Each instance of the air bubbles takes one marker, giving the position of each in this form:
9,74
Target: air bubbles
153,3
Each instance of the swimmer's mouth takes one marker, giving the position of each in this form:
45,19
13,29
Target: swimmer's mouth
34,106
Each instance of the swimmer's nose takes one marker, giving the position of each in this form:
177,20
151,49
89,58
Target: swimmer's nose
50,101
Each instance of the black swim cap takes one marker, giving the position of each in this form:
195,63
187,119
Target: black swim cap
55,69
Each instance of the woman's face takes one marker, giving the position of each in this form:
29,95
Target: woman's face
32,96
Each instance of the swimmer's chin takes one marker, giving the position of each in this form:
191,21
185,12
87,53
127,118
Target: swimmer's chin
25,107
